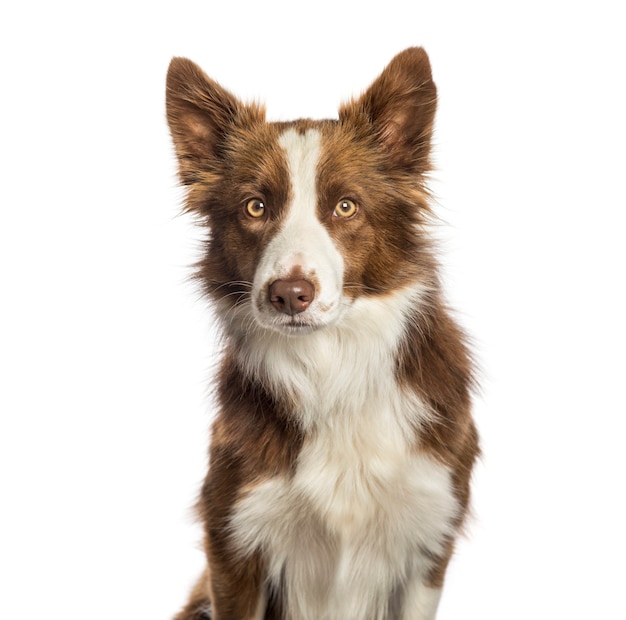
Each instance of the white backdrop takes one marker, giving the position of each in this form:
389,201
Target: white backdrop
105,350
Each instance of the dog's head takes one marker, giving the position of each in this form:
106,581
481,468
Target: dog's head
307,217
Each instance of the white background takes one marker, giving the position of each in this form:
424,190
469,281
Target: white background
105,350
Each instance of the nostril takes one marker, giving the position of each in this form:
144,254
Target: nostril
291,296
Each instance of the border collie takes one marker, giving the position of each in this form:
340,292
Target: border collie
342,450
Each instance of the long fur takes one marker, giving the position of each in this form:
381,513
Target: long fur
342,451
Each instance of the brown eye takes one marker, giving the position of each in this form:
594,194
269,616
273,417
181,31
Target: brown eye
345,209
255,208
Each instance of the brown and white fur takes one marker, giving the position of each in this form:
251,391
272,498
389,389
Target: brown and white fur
342,450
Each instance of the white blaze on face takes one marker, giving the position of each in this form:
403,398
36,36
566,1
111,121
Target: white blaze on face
302,247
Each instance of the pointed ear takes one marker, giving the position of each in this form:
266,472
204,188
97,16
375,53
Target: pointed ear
200,114
400,108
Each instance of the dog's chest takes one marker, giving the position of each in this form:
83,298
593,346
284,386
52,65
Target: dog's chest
356,470
360,516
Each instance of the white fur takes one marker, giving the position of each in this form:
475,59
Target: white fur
421,602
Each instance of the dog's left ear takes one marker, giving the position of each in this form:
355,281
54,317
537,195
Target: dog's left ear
400,107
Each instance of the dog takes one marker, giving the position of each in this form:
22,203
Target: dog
342,450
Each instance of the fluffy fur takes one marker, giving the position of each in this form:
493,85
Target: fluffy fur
342,450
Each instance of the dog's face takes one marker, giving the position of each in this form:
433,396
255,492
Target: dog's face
307,217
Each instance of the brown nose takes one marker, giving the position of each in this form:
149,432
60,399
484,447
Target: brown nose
291,296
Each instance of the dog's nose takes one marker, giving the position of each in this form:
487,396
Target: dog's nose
291,296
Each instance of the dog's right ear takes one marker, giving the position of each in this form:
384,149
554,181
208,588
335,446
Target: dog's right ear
200,114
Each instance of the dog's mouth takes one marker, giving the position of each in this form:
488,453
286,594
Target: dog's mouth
295,325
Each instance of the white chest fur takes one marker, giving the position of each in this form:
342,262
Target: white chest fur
355,525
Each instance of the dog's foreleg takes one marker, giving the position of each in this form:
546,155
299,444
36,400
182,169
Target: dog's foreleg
421,602
199,605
